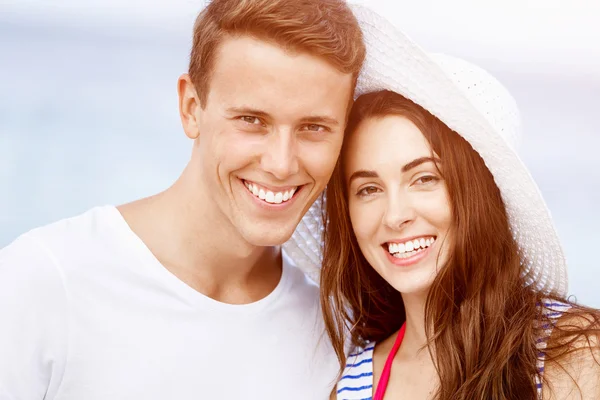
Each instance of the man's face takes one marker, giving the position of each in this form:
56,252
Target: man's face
269,136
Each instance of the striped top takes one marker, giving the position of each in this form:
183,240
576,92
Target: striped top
553,311
356,382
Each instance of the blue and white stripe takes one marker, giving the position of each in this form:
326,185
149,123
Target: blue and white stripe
356,382
553,311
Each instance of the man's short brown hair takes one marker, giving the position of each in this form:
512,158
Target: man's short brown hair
324,28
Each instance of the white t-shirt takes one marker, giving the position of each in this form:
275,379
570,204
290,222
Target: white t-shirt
88,313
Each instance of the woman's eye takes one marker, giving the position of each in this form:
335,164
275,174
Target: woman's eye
423,180
369,190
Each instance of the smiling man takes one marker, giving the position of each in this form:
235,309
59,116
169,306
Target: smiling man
186,294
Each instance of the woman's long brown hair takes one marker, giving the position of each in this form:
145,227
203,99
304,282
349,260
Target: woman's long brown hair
482,320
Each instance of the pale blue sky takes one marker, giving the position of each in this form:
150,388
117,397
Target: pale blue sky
88,111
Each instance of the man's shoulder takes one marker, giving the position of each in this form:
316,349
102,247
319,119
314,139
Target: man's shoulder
89,222
69,235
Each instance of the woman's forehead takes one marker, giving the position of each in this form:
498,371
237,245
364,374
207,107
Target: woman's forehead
381,141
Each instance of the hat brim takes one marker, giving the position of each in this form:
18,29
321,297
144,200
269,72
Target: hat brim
396,63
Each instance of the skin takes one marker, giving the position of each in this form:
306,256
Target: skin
578,375
272,117
397,193
390,203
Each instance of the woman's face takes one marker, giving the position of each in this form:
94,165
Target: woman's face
398,202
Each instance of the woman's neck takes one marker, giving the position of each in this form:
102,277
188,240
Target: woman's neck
415,338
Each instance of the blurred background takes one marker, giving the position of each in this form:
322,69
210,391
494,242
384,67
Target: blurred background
88,102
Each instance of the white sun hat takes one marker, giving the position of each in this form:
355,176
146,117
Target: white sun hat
475,105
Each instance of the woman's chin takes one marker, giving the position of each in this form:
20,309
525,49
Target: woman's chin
412,282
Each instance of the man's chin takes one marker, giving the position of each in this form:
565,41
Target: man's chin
268,235
267,240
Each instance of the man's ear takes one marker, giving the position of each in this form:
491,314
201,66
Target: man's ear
189,105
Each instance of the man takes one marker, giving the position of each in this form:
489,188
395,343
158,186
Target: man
186,295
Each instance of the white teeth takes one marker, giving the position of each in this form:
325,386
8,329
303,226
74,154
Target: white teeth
269,196
409,248
278,198
405,255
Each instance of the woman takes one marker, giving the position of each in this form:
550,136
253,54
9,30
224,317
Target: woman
441,268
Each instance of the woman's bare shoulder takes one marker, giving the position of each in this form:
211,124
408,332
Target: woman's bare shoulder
572,370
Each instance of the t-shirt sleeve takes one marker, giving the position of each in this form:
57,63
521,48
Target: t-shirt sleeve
33,321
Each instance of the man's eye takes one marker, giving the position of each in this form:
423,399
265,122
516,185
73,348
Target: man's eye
250,120
315,128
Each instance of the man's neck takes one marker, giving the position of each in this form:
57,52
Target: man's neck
181,230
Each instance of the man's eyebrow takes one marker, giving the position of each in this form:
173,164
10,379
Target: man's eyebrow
418,161
320,119
248,111
362,173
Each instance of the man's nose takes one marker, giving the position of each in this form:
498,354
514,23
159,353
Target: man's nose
280,158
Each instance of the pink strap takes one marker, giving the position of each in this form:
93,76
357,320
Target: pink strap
385,375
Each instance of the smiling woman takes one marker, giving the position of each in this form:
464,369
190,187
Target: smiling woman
419,250
392,179
441,264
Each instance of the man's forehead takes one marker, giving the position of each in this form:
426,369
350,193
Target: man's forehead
245,56
257,76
